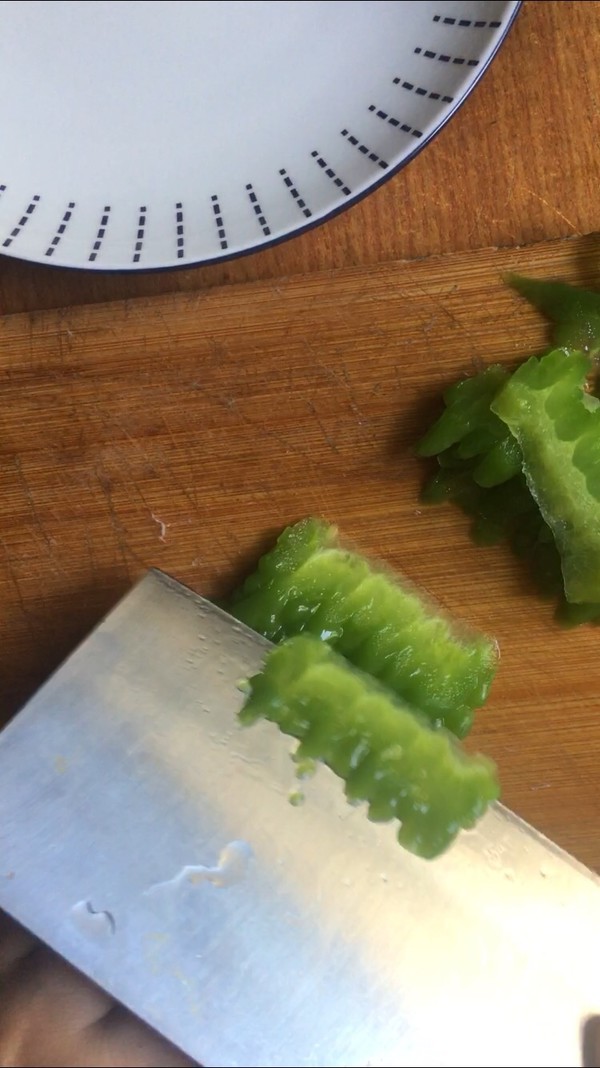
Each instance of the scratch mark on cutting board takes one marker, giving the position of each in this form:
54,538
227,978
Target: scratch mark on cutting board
89,547
161,315
326,435
230,403
50,542
17,586
123,462
163,527
547,204
65,376
118,529
261,429
191,495
342,378
438,301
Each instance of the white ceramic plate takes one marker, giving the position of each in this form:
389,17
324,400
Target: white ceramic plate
153,134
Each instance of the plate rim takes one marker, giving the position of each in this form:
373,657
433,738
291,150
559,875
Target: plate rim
303,228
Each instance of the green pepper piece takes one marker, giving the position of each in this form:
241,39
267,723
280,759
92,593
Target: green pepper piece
499,464
482,474
387,754
468,429
478,442
557,426
573,615
467,410
575,311
382,625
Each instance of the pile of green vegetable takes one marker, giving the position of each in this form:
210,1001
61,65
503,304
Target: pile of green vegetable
373,681
520,453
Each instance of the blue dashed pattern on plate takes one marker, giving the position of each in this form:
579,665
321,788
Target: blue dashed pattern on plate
223,127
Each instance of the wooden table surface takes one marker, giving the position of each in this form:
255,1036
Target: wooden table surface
518,163
184,430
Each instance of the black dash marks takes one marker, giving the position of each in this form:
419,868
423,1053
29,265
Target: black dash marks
443,58
100,233
216,207
418,89
2,189
179,230
29,210
477,24
330,173
364,150
64,222
260,215
291,188
139,237
383,115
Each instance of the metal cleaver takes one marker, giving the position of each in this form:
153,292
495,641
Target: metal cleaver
150,840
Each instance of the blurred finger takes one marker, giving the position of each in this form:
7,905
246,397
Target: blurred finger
15,944
53,1017
43,981
137,1044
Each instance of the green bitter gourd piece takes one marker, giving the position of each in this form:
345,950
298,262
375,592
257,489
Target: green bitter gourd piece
574,311
309,583
557,426
386,754
494,493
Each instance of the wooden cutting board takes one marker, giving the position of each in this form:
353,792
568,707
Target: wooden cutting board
184,431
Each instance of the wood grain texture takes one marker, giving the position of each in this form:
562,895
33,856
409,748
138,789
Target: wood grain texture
517,164
184,431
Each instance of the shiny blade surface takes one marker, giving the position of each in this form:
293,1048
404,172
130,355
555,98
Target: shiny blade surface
151,841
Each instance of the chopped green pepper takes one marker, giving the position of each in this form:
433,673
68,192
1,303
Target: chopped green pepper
468,418
309,583
386,754
575,311
482,469
557,426
468,429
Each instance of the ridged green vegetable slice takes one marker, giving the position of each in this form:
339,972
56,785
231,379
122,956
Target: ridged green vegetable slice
482,470
386,754
309,583
557,426
467,412
575,311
